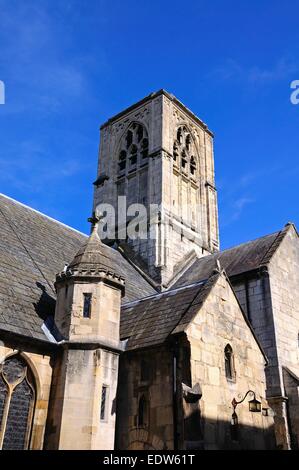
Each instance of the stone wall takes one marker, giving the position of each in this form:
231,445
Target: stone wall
220,322
270,301
254,295
103,324
148,374
83,395
284,283
75,407
200,365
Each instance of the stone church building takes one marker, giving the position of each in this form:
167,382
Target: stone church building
159,341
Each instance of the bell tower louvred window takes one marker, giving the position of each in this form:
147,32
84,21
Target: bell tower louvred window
139,133
192,166
145,148
184,159
188,142
184,151
133,148
133,155
129,138
122,162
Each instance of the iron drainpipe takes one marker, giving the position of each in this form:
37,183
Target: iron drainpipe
174,400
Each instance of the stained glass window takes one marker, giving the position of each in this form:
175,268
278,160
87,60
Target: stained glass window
17,397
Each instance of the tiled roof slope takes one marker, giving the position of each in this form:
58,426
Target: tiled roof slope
150,321
238,260
33,249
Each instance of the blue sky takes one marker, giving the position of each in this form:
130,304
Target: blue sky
69,65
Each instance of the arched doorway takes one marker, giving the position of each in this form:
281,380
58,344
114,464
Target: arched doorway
141,439
17,401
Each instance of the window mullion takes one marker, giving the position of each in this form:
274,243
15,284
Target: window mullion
5,412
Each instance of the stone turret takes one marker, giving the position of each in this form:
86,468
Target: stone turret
88,317
89,294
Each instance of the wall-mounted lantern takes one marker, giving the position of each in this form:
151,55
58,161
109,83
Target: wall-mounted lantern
255,406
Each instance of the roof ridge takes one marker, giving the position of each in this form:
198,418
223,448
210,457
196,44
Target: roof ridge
204,291
43,215
163,293
270,252
246,243
181,267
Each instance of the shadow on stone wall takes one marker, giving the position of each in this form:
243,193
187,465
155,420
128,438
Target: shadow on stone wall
212,435
45,309
45,306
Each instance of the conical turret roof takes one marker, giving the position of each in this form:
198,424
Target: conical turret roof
92,255
93,259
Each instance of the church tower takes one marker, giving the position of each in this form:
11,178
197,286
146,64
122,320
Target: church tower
157,153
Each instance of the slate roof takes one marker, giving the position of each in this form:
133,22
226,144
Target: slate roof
150,321
235,261
33,249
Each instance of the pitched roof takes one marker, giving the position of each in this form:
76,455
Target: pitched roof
237,260
93,255
150,321
33,249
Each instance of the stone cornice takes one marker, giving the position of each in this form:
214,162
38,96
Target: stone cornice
152,96
91,276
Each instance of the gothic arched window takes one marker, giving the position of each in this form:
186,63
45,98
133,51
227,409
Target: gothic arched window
192,166
184,159
184,151
179,135
175,151
122,160
17,399
129,138
144,147
143,412
133,155
188,142
139,133
133,148
229,362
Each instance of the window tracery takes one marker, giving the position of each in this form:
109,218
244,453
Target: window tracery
184,152
134,148
17,398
